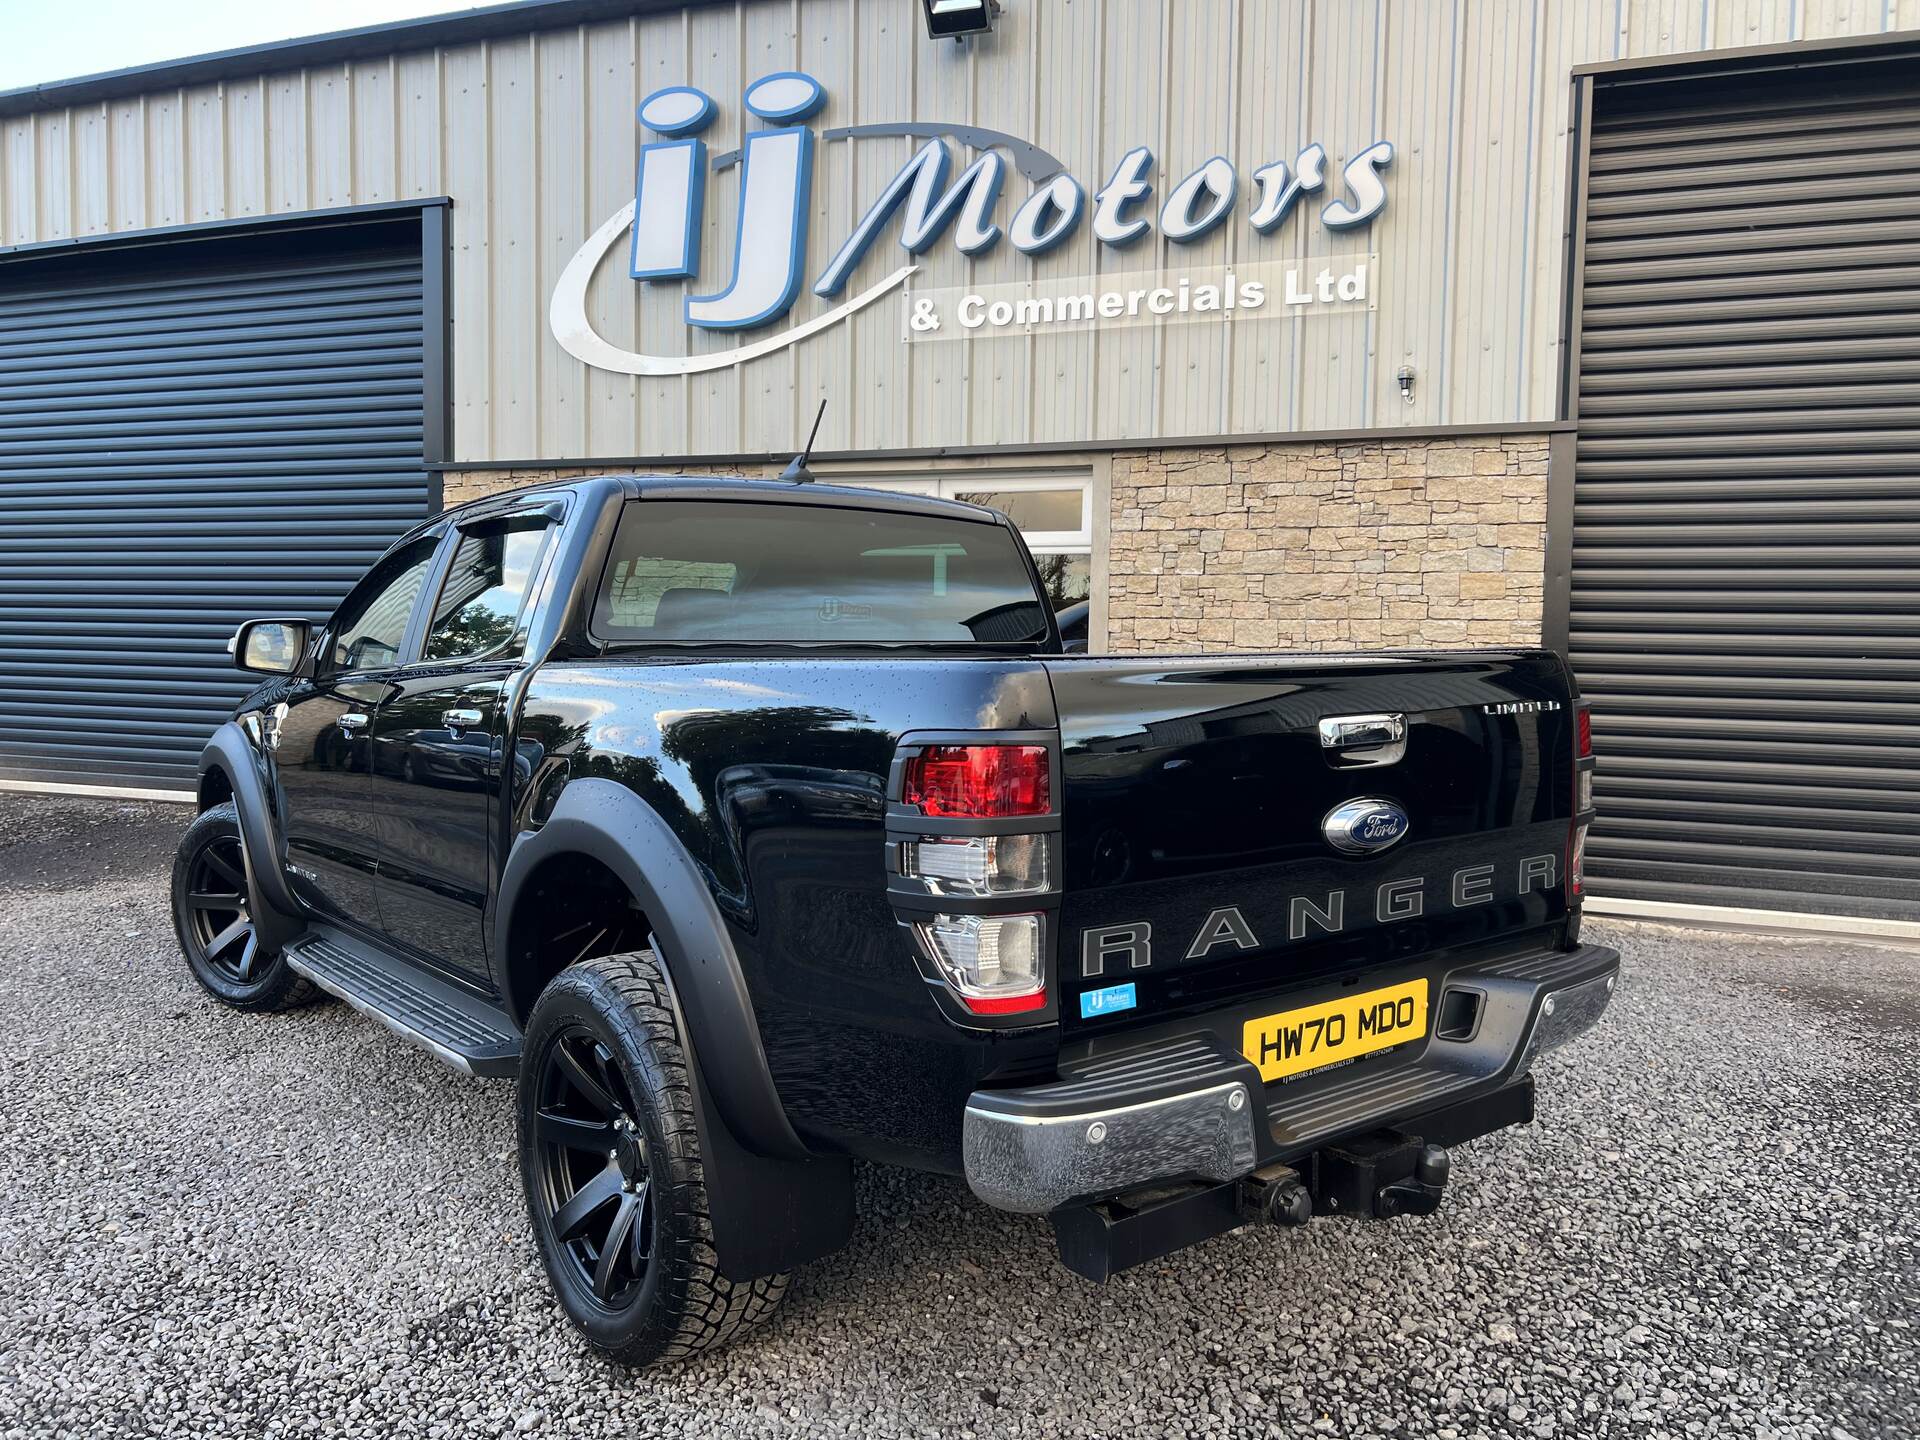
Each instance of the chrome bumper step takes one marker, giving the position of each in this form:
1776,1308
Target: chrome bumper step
1187,1105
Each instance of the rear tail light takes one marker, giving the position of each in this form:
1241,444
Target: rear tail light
979,865
978,782
1582,802
993,963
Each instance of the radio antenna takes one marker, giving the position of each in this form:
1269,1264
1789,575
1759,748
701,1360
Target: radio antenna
797,471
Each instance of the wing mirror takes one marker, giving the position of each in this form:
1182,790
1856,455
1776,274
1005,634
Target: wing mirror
272,647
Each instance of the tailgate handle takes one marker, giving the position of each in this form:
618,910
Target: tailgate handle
1350,741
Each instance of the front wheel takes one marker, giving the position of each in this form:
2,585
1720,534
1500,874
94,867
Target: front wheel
615,1182
213,920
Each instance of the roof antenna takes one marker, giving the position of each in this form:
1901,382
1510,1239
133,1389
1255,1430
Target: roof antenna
797,471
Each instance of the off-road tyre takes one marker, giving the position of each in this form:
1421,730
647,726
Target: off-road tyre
213,920
612,1019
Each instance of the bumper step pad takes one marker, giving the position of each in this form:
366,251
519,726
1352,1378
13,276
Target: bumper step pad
1186,1105
1533,1002
459,1028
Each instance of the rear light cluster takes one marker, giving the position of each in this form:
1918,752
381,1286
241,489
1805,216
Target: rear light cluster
978,782
1583,764
994,964
979,865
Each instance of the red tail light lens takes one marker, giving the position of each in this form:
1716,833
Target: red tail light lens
978,782
1583,745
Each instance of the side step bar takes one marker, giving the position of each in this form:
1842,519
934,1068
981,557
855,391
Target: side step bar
461,1029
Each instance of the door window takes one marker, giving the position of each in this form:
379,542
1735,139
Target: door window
371,624
485,590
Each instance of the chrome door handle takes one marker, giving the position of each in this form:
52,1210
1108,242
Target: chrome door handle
352,722
1355,740
460,719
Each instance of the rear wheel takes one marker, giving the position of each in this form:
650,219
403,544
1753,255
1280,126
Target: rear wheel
213,919
615,1182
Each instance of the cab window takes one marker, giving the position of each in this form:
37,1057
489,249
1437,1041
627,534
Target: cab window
486,589
371,624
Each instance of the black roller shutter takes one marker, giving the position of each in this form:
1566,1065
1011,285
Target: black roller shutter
1745,604
191,434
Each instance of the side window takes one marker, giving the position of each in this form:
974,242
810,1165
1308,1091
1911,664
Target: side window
487,585
371,624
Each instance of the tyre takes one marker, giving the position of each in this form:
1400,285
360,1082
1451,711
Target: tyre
213,920
615,1183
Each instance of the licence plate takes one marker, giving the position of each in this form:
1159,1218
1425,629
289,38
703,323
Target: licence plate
1314,1036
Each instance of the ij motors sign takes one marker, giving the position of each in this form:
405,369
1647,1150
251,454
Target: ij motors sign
927,202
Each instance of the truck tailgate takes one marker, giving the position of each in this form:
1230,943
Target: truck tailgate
1202,853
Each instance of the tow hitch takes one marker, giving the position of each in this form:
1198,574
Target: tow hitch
1380,1175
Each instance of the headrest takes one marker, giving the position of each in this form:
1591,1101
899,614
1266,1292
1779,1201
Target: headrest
687,610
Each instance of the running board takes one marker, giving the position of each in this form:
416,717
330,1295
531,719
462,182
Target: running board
470,1034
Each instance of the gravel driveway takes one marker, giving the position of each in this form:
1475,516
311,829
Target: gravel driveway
296,1225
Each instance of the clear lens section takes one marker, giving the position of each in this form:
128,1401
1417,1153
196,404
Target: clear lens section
1583,790
1577,863
987,957
978,864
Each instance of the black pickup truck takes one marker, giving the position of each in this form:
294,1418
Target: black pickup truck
759,826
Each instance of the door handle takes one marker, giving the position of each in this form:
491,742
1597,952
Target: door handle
1351,741
352,722
460,719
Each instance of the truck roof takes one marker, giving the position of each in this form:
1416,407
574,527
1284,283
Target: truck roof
603,488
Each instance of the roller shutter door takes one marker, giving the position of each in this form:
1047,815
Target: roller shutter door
191,434
1745,603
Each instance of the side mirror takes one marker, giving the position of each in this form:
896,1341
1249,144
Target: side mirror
271,647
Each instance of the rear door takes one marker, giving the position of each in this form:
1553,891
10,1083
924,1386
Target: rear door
439,743
1219,846
323,734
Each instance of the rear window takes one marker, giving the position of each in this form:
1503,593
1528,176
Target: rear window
747,572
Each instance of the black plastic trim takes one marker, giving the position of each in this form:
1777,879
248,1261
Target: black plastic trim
276,914
613,825
769,1213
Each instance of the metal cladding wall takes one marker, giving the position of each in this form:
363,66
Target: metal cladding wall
534,136
191,434
1745,608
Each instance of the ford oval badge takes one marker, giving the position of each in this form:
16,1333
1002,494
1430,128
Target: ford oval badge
1362,827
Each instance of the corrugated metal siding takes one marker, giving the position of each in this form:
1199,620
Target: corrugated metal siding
190,436
535,139
1746,560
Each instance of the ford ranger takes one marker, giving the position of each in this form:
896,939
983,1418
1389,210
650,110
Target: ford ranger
755,827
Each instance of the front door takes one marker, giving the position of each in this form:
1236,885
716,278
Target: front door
322,741
439,775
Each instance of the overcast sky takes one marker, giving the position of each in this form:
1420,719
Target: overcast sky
42,40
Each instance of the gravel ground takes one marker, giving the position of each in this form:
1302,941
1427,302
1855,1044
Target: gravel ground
215,1224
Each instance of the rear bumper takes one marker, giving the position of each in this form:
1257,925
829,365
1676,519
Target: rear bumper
1189,1107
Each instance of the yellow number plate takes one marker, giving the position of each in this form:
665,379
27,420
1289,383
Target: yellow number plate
1315,1035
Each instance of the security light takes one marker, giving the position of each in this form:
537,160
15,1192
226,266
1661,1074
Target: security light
956,19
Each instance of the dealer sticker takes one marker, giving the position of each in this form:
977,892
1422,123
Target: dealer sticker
1106,1000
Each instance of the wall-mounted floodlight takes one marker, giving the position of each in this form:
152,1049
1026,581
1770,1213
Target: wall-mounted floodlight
957,19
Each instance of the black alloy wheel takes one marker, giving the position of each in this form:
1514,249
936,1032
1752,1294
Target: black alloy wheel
614,1171
214,921
220,919
593,1167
